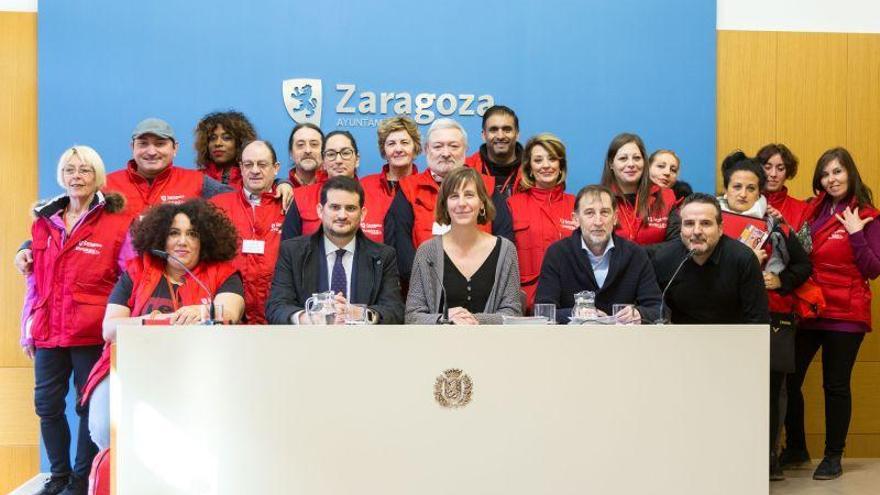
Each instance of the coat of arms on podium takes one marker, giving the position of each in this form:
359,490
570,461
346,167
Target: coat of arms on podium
453,388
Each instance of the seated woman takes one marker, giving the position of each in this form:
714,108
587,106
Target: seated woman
785,263
200,236
476,273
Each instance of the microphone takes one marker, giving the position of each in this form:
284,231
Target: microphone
166,256
444,315
661,320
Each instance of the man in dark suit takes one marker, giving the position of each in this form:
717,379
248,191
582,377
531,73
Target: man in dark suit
337,258
593,258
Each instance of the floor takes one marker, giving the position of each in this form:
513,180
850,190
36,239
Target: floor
860,477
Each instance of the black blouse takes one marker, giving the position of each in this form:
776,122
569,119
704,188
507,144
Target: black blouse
470,294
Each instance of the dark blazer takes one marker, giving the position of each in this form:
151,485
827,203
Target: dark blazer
301,271
566,269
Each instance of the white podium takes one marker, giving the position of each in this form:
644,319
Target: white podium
357,410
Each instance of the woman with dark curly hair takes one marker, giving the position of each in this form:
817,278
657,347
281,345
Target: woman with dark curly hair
204,240
219,137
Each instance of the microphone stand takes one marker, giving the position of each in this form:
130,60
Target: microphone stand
662,320
166,256
444,314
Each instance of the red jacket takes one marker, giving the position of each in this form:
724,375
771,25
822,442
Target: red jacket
421,191
847,293
652,229
233,174
255,223
73,280
306,199
146,272
540,218
477,161
172,185
378,194
793,210
320,176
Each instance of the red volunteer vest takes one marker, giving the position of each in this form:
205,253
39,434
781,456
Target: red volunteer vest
378,195
73,281
261,223
476,162
847,294
306,199
172,185
146,272
233,174
793,210
421,191
652,229
540,218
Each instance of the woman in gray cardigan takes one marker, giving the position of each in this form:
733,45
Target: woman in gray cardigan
479,271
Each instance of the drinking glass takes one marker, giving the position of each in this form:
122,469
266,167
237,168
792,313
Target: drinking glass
356,314
623,320
546,310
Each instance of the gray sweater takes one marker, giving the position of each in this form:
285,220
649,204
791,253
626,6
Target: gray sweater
424,286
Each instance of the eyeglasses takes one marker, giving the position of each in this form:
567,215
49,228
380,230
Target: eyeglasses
345,153
70,171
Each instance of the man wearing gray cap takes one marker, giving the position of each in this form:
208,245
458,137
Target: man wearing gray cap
151,178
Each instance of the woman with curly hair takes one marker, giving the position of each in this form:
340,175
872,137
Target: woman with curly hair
195,235
219,137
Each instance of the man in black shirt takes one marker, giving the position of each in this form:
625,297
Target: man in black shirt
721,282
500,155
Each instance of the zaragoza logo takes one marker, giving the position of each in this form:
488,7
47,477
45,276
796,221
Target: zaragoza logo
302,98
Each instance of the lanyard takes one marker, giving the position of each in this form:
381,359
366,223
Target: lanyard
175,300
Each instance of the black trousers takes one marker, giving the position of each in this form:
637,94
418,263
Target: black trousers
52,370
776,380
839,351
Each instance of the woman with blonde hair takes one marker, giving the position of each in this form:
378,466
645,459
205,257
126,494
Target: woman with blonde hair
78,242
541,209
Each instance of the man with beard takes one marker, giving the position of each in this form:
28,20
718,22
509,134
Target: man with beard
593,258
410,220
500,155
719,279
304,146
338,258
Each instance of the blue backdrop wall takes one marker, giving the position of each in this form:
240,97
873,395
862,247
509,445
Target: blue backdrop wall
583,70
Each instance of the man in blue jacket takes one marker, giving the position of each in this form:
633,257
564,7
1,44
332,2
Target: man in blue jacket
618,271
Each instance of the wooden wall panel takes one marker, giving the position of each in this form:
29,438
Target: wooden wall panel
827,94
19,452
18,425
863,138
18,158
747,86
18,463
811,101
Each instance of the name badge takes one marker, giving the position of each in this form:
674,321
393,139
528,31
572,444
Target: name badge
253,246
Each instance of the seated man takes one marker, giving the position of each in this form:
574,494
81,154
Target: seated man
712,278
593,258
338,258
